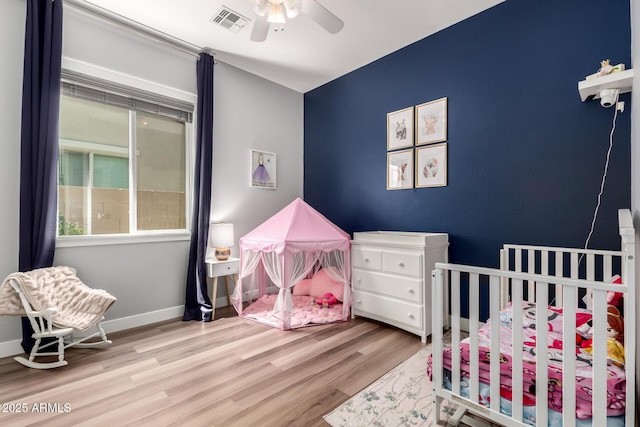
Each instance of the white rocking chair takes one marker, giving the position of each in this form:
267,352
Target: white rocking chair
49,324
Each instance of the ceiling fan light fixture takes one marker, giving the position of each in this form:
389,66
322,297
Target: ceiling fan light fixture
260,7
293,8
275,19
275,14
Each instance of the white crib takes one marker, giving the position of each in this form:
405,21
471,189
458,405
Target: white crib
556,277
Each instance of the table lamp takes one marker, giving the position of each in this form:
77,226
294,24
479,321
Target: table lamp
221,236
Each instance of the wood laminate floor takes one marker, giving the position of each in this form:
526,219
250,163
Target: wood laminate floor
230,372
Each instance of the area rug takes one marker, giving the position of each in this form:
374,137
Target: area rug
401,397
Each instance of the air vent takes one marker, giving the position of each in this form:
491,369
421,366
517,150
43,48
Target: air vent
229,19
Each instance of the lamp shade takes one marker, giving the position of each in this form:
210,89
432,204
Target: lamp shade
221,234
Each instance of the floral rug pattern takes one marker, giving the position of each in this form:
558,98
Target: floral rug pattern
401,397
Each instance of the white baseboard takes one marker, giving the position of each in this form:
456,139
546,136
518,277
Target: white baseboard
464,324
12,348
142,319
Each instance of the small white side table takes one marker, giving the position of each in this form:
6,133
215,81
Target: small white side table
215,269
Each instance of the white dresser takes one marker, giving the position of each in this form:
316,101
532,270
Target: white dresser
391,277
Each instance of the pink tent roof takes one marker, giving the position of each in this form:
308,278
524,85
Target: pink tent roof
298,227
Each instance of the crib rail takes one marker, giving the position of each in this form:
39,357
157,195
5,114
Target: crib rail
587,264
504,285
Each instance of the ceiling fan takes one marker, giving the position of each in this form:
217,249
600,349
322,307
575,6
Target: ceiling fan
273,12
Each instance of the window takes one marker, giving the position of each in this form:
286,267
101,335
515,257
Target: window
122,159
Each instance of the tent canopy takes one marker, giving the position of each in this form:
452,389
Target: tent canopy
296,228
282,251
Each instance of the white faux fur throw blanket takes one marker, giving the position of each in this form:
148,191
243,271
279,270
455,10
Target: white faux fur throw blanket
78,305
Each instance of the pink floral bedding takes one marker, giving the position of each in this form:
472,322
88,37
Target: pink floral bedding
584,371
304,313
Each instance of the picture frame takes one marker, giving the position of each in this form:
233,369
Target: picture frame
400,170
400,129
262,173
431,122
431,166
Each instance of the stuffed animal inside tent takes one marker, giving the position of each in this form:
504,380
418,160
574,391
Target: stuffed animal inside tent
326,300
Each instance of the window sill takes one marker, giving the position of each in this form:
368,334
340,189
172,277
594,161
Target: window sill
123,239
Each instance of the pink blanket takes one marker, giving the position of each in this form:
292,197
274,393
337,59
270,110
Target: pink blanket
304,313
584,371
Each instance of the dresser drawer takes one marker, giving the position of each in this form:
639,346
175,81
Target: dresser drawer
391,277
394,310
367,258
394,286
399,262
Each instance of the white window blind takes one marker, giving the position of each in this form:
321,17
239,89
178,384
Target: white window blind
82,86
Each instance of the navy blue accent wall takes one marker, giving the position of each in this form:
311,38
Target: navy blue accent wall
525,155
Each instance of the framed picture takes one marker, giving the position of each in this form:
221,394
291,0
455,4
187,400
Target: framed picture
431,166
263,169
400,170
431,122
400,129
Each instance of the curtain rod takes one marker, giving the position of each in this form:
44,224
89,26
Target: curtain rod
138,28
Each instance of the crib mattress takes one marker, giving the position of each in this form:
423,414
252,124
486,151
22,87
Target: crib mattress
584,371
304,313
528,408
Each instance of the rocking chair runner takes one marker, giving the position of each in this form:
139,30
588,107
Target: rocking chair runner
57,303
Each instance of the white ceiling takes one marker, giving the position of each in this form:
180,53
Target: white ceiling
304,55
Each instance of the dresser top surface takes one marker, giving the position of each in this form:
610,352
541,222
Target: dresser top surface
400,237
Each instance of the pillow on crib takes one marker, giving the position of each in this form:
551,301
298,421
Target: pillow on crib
322,283
302,288
615,298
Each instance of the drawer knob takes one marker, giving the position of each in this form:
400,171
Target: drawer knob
410,290
358,280
366,260
411,316
359,301
401,264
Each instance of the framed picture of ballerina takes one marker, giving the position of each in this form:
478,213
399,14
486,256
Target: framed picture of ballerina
431,166
431,122
263,169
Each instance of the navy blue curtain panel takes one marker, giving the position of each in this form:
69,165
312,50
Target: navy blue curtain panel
39,140
197,304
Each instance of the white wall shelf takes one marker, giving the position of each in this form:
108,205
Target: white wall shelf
590,89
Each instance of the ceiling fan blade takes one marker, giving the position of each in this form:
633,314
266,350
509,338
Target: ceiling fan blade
322,16
260,29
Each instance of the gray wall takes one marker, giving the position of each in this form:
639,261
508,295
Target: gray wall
635,158
12,21
245,118
149,278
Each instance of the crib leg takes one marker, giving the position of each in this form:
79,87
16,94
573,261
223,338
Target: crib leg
437,402
457,416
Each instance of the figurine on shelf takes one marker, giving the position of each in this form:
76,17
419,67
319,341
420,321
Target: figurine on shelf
605,68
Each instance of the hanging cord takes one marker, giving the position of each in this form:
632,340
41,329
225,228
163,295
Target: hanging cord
604,175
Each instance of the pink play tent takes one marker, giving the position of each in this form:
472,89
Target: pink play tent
289,249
